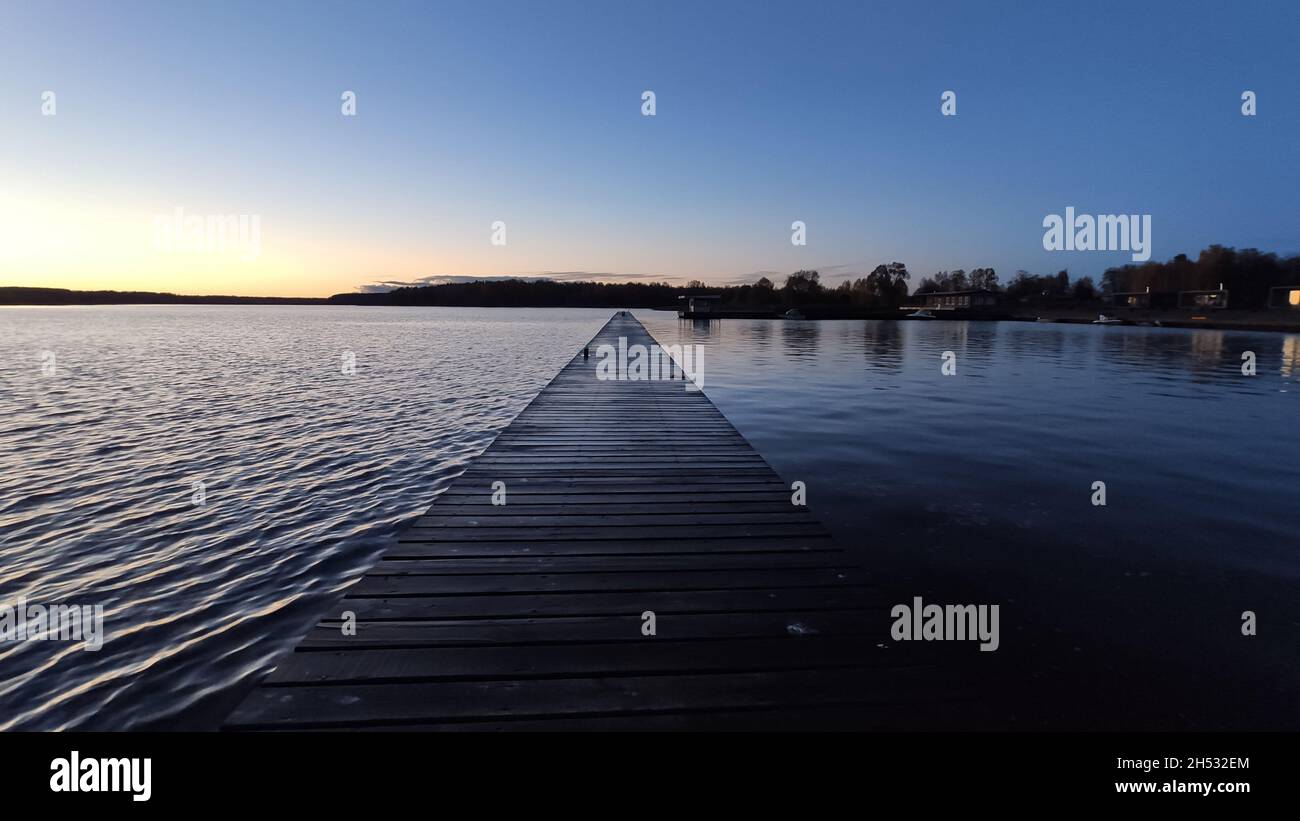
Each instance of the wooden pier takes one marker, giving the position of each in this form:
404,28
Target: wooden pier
622,497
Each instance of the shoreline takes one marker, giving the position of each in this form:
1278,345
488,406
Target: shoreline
1221,320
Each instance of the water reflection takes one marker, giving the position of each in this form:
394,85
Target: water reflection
801,337
882,344
1207,348
1185,357
757,333
1290,356
1049,341
980,487
703,331
1197,357
945,335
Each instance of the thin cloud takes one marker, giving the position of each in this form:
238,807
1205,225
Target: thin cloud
828,272
437,279
596,276
383,286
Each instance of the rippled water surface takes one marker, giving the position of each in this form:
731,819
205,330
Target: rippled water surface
306,472
967,488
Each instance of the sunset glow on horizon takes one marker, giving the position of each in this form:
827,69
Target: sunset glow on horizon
159,113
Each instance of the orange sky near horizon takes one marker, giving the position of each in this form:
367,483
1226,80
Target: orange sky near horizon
110,241
46,243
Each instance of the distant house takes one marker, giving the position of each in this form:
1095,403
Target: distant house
1143,299
1131,299
1211,299
1284,296
698,304
957,300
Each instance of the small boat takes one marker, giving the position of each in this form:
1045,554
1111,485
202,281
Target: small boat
1044,319
1102,319
921,314
793,313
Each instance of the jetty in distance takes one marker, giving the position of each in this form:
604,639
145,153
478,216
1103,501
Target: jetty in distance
647,570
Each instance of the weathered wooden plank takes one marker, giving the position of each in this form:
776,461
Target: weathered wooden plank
626,533
484,509
375,585
610,489
453,498
641,658
714,627
534,605
324,705
620,498
653,545
631,563
507,518
961,712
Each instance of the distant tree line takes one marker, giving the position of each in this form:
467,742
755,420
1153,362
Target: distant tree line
16,295
1247,274
980,279
519,293
1026,287
885,287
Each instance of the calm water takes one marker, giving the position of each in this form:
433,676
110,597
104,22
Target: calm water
977,487
973,488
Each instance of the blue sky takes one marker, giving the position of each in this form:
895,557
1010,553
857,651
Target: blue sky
530,113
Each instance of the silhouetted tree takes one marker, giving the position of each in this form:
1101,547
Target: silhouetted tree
1248,274
984,279
802,284
1084,290
886,285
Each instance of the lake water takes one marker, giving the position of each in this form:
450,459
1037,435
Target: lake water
977,488
971,488
307,473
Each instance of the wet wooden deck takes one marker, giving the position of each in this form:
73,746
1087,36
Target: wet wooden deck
621,497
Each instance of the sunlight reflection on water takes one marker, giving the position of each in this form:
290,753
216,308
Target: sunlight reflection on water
306,471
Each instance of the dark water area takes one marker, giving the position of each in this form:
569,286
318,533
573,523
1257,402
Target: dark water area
970,488
977,488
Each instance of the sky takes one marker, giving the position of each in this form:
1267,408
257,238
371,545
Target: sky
530,114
